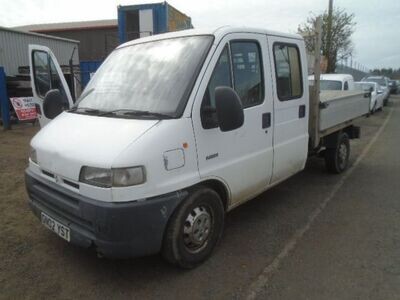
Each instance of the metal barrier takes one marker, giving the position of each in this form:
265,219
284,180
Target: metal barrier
4,101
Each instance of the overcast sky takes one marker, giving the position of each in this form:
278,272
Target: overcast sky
376,39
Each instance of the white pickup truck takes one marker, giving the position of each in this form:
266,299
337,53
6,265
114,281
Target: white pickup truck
172,132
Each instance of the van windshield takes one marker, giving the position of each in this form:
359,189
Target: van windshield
153,77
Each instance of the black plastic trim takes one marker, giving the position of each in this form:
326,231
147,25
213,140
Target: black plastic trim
119,230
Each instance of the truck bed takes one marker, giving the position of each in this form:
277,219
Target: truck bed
341,107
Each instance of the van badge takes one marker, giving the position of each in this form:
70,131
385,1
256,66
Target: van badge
211,156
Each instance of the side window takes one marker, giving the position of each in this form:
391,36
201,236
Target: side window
41,73
221,77
247,72
346,86
288,71
45,73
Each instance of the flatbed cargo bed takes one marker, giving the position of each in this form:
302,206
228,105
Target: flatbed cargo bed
331,111
341,107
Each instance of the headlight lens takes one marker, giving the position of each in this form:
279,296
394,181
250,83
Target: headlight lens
32,155
128,176
112,177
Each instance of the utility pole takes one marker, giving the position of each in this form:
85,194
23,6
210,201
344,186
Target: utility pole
329,35
314,99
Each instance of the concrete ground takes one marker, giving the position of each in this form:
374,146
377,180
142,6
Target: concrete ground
315,236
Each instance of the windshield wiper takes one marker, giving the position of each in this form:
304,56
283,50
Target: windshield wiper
131,112
85,110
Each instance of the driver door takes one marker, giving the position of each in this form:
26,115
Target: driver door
46,75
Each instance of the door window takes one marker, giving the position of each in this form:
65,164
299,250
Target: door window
247,72
288,71
41,73
221,77
242,60
46,75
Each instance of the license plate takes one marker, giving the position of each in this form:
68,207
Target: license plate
55,226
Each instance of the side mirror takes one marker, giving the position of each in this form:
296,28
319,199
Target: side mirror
380,92
53,104
229,108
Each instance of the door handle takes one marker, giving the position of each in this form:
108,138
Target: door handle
302,111
266,120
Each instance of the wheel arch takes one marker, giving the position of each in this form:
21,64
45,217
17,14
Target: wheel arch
218,186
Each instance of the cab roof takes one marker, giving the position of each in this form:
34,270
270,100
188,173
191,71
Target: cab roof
218,33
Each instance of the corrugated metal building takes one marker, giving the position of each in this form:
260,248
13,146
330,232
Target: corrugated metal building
14,48
96,38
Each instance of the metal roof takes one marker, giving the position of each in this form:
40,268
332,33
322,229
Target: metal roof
14,48
13,30
68,26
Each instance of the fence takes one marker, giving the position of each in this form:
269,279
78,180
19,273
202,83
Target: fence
357,74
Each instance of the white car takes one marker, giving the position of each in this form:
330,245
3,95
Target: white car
377,94
384,83
335,82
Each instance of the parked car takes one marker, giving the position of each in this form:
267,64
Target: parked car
335,82
175,130
393,86
376,94
383,82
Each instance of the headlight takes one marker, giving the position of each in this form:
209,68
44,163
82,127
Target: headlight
96,176
32,155
128,176
112,177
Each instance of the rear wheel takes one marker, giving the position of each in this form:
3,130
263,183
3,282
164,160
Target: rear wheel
337,158
194,229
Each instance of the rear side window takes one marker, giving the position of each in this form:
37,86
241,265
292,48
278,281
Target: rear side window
288,71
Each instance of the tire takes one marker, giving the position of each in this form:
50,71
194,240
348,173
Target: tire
337,159
194,229
373,109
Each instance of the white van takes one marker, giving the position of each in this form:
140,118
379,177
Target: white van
335,82
173,131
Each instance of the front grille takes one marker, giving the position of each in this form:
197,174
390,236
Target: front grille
48,173
55,201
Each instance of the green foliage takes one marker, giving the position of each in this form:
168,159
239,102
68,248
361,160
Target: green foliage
341,46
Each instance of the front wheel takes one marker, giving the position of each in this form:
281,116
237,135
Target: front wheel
337,158
194,229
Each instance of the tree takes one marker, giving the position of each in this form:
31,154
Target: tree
341,45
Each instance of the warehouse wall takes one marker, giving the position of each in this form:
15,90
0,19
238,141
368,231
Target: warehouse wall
94,44
14,49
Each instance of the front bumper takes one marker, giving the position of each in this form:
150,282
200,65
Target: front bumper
118,230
